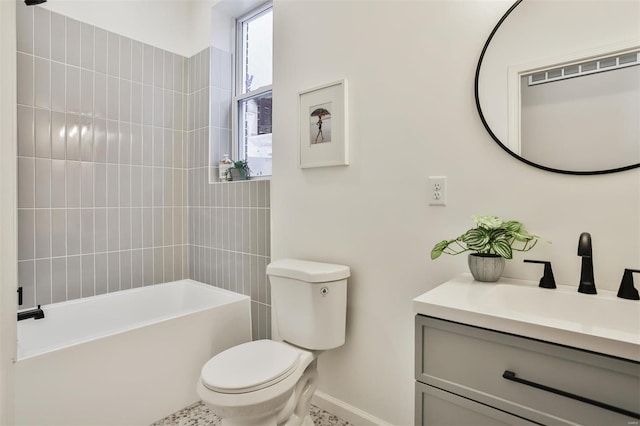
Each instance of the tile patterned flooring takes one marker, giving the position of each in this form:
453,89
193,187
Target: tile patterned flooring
199,415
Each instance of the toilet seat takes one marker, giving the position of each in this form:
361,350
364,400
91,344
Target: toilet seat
250,367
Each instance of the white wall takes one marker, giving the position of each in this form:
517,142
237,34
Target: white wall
8,209
180,26
163,24
410,67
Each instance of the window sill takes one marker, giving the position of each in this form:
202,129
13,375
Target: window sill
257,178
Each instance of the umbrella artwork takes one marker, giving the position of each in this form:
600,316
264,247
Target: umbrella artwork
320,123
323,126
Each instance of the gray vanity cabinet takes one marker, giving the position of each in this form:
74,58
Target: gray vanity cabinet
459,380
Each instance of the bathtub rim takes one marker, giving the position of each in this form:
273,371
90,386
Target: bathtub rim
238,297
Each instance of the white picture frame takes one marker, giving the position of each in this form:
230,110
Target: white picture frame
322,126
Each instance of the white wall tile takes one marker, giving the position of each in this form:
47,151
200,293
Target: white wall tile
73,42
113,280
86,92
73,231
73,131
113,97
101,273
43,233
24,24
86,185
74,277
158,67
137,50
58,38
26,234
125,229
74,178
58,184
147,65
100,236
42,83
59,280
125,58
58,135
125,270
113,54
125,100
26,182
100,140
25,74
26,126
43,183
87,46
42,32
43,281
58,232
73,89
88,271
86,138
87,231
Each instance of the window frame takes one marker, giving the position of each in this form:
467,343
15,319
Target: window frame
238,76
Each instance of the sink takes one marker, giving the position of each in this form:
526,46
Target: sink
566,307
602,323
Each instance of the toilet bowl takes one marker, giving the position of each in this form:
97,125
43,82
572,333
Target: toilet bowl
259,383
268,382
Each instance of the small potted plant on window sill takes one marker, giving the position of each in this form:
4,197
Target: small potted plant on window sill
492,241
239,171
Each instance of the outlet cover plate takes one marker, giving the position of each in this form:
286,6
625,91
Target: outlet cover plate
437,190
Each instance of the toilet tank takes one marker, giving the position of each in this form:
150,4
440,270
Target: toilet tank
309,300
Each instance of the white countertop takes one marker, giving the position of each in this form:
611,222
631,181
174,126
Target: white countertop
601,323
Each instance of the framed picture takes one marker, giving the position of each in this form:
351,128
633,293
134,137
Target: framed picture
322,126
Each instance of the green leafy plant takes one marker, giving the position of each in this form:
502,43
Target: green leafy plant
243,169
491,236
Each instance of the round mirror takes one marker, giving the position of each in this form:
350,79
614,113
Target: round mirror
558,84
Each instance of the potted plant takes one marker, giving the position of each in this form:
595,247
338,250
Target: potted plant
239,170
492,241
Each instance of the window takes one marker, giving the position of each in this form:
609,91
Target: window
254,66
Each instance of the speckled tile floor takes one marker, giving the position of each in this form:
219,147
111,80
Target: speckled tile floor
199,415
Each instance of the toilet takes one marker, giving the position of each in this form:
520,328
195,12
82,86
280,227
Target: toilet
268,382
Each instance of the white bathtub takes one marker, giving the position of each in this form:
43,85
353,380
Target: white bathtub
124,358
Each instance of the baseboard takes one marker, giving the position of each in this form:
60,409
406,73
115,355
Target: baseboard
347,412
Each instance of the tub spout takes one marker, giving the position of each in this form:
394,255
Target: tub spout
32,313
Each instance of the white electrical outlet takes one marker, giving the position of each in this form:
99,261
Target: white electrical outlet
437,190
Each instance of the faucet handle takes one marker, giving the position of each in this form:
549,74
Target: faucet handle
547,280
627,289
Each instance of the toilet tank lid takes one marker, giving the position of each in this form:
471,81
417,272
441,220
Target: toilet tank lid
309,271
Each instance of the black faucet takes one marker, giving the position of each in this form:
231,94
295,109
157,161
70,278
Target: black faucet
587,282
627,290
547,280
32,313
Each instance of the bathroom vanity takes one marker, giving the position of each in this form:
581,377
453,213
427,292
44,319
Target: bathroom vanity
512,353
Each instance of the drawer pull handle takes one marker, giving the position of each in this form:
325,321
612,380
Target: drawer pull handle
510,375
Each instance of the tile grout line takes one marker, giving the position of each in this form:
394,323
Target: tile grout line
51,163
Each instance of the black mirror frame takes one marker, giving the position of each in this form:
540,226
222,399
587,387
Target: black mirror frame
503,146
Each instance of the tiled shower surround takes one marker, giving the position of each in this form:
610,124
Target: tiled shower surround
229,223
113,138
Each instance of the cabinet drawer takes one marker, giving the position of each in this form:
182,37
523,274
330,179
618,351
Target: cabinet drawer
439,408
470,362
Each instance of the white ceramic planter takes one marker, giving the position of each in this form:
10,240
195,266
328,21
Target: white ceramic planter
486,268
